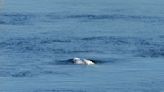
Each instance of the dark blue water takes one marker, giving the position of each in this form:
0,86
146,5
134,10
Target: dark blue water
125,40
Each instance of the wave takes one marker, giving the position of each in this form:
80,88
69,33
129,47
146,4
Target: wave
32,18
30,72
60,90
140,47
109,17
32,44
16,19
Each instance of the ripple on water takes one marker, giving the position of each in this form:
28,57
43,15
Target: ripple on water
16,19
31,18
62,90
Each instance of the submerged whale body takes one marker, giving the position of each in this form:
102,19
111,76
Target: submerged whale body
82,61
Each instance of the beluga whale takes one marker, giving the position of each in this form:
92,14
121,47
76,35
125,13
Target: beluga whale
79,61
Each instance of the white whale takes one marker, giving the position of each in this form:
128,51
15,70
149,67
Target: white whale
82,61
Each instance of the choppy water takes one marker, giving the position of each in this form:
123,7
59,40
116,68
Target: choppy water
128,46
